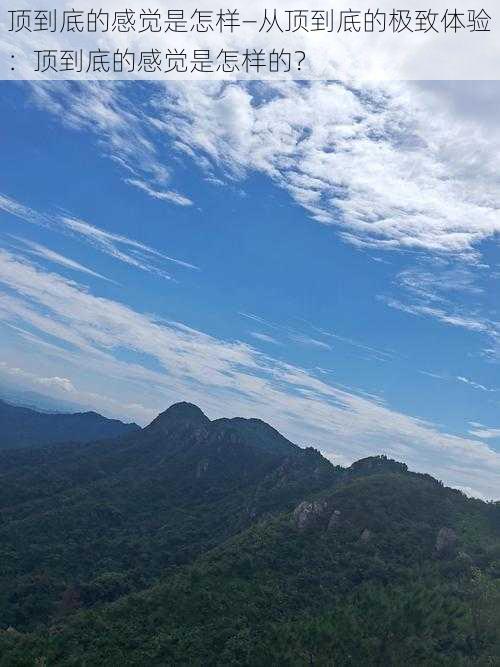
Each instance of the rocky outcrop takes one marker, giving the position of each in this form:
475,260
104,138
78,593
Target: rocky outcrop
201,468
335,520
320,514
365,536
310,513
446,542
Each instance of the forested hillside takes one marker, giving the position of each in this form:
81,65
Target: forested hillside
198,542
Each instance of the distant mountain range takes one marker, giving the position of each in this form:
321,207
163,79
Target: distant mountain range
24,427
27,398
199,542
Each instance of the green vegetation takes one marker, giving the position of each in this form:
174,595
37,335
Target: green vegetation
221,543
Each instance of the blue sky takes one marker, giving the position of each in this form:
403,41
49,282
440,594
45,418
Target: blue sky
319,256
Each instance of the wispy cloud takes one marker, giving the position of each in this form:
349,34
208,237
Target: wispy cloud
291,333
463,320
484,432
302,337
261,320
438,279
265,338
39,250
162,195
459,378
311,342
376,353
15,208
125,130
120,247
474,385
435,376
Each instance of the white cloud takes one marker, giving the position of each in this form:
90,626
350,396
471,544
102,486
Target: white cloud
60,383
60,387
162,195
370,160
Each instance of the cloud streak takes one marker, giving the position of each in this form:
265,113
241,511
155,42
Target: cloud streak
484,432
43,252
474,385
118,246
265,338
162,195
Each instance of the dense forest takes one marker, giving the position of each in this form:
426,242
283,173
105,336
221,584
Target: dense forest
198,542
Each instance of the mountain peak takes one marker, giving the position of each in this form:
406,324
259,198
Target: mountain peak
256,433
380,463
180,413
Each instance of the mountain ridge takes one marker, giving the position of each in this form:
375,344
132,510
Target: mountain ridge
25,427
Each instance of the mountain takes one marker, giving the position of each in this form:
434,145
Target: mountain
144,503
199,542
26,398
23,427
